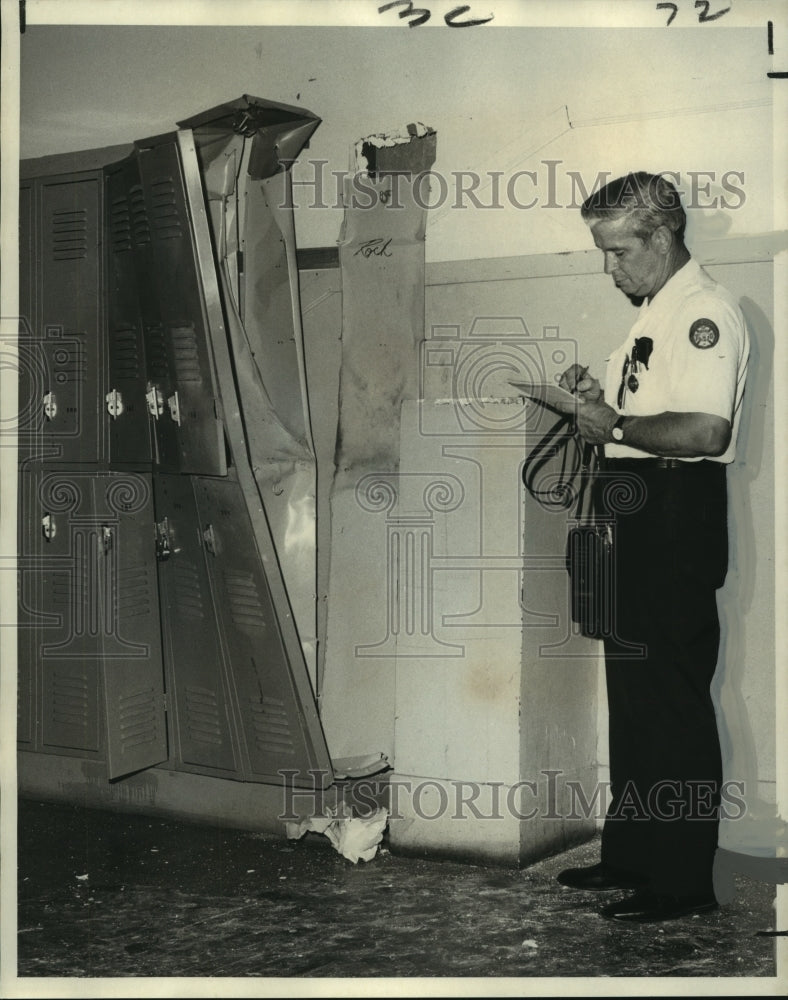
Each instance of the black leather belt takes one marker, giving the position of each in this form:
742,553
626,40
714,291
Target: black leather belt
659,462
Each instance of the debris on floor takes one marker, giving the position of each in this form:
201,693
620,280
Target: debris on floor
217,902
355,837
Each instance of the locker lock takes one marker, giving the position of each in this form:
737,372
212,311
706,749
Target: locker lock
50,406
106,539
210,539
48,527
155,399
175,411
164,546
114,402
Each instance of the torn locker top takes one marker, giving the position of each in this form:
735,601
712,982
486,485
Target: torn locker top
278,131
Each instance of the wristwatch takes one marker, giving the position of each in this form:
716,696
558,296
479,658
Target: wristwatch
617,430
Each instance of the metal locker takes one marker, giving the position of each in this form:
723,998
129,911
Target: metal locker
131,652
33,378
275,703
203,730
125,404
59,606
182,393
25,704
70,330
26,258
30,619
159,379
27,601
89,629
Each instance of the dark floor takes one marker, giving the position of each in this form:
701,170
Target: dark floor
104,894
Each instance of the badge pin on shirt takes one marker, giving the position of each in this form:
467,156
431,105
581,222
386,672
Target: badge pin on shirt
640,354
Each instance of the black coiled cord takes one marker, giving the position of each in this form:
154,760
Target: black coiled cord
561,439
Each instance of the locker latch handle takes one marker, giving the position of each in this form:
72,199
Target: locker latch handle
114,403
163,539
48,527
210,539
155,399
164,546
106,538
50,406
175,411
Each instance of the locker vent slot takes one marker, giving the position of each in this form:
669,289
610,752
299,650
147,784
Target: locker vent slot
69,363
61,592
244,600
85,611
70,700
157,353
70,235
134,593
120,225
139,217
185,355
203,721
164,210
188,596
271,727
137,719
126,353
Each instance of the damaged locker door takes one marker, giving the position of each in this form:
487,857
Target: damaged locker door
181,389
203,729
275,704
132,671
89,629
125,403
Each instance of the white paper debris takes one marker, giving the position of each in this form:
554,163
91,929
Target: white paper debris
529,943
355,837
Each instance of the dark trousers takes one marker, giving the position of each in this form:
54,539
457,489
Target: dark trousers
670,541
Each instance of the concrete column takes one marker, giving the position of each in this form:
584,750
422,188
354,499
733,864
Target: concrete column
495,722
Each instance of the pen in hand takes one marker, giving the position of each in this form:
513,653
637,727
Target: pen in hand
580,378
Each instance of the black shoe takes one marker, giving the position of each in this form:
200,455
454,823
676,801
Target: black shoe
647,907
598,878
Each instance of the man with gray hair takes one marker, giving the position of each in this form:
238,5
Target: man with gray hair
667,419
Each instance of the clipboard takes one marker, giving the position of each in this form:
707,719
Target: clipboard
549,394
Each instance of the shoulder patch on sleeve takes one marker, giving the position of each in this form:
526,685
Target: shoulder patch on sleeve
704,333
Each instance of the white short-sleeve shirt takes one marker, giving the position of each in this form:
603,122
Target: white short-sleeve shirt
691,356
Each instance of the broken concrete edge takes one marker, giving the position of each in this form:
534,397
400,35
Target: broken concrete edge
383,152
